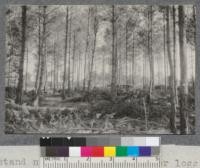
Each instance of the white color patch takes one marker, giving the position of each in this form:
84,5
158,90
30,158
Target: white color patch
152,141
74,151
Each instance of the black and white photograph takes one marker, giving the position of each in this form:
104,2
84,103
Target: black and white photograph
100,69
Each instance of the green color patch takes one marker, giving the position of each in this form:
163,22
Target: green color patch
121,151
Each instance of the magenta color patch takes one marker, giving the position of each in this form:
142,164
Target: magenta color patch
86,151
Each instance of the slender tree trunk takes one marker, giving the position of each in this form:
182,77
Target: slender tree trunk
158,70
45,66
39,50
51,73
9,71
119,63
133,61
193,69
172,88
144,69
150,50
174,51
57,67
54,67
103,69
194,18
65,56
86,49
57,74
164,49
183,73
10,54
21,63
78,71
95,26
73,59
26,79
41,77
69,59
126,54
114,56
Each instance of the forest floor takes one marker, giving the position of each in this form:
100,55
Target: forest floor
98,114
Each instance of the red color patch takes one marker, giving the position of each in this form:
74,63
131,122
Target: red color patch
97,151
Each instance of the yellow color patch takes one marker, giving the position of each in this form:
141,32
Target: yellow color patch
109,151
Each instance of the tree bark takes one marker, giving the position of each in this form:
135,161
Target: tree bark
45,66
78,70
26,79
95,27
65,56
193,69
69,59
172,87
150,50
133,61
119,62
41,77
183,72
73,59
126,55
114,56
39,50
86,49
174,50
21,64
164,49
103,69
54,67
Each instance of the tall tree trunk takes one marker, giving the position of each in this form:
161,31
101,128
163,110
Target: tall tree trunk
116,53
114,56
78,70
126,55
183,72
150,50
9,71
21,63
57,66
193,69
144,69
26,79
164,49
174,50
194,18
65,56
103,69
54,67
133,61
45,66
172,88
95,27
119,62
39,50
51,65
10,54
86,49
73,59
69,59
41,77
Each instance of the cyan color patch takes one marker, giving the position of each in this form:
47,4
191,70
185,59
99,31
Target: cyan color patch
133,151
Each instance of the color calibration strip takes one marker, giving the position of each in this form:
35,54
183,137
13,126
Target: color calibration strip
99,151
84,147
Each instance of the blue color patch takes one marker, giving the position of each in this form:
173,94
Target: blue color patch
133,151
145,151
